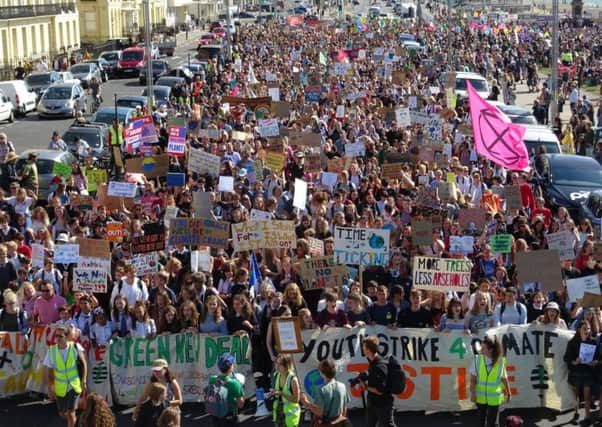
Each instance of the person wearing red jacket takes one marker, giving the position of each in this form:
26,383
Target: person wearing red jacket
541,210
526,193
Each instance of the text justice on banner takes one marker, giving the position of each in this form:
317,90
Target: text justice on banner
192,359
437,365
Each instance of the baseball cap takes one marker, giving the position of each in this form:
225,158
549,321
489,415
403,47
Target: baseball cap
159,364
63,238
553,305
225,361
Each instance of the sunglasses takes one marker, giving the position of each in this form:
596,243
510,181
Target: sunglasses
45,291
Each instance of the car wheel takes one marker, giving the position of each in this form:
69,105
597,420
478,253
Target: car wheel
11,117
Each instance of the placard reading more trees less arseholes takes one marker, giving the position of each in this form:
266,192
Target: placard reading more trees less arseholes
287,331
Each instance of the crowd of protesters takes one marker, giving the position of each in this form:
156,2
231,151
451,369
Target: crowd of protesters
223,301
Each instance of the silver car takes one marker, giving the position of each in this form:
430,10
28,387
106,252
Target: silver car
64,99
45,163
85,72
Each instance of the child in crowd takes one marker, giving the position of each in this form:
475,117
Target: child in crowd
100,330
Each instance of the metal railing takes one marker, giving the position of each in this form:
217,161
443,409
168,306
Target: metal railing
12,12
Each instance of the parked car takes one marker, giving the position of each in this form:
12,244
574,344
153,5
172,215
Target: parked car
170,81
129,64
106,115
94,134
161,94
21,96
167,45
515,113
566,180
40,81
6,108
197,68
591,208
155,54
132,101
112,57
159,67
478,82
219,32
537,136
68,77
103,66
208,38
209,51
45,164
63,99
246,15
85,72
180,72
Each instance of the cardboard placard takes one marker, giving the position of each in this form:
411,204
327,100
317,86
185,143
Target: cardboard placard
152,240
391,170
362,246
94,248
576,288
472,219
564,243
322,272
201,203
199,231
591,300
251,235
542,267
151,167
513,197
115,231
281,109
202,162
422,233
501,243
441,274
313,163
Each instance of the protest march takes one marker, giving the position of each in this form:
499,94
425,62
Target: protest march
330,201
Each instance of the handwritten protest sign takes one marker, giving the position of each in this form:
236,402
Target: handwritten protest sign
89,280
15,353
263,234
202,162
591,300
461,244
563,242
152,240
114,231
147,263
199,231
501,243
541,267
94,248
422,232
200,260
201,203
441,274
391,170
513,197
274,161
121,189
268,127
66,253
577,287
361,246
472,219
151,167
322,272
176,144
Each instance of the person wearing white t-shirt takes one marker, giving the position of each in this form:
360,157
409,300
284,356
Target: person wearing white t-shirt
511,312
131,287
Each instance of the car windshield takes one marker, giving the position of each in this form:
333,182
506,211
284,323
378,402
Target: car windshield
129,103
38,79
524,120
550,146
58,93
207,37
578,176
80,69
158,65
478,84
110,57
132,56
92,138
107,117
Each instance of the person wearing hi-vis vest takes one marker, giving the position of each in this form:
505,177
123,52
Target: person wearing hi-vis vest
286,410
62,374
488,381
116,137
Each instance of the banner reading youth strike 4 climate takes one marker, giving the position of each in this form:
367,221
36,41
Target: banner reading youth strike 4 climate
437,365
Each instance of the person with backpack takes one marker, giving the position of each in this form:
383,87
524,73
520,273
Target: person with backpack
285,409
510,311
12,317
379,403
131,287
329,406
224,394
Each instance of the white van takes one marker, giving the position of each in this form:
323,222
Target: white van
19,94
6,108
374,12
540,136
478,82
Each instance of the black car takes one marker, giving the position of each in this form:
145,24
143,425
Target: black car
40,81
160,67
567,180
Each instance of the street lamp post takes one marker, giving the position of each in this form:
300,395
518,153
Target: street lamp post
147,49
554,60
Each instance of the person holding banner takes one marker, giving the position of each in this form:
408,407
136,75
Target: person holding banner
379,407
66,374
161,374
489,386
329,406
286,411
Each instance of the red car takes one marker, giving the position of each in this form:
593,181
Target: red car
219,32
207,39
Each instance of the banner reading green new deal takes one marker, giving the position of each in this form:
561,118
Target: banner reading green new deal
192,359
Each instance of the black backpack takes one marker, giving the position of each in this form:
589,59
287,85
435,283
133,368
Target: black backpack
396,378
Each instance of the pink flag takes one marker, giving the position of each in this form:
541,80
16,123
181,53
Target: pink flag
495,137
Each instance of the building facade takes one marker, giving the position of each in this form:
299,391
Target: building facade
30,29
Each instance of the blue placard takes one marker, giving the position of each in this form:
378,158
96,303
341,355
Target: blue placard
175,179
